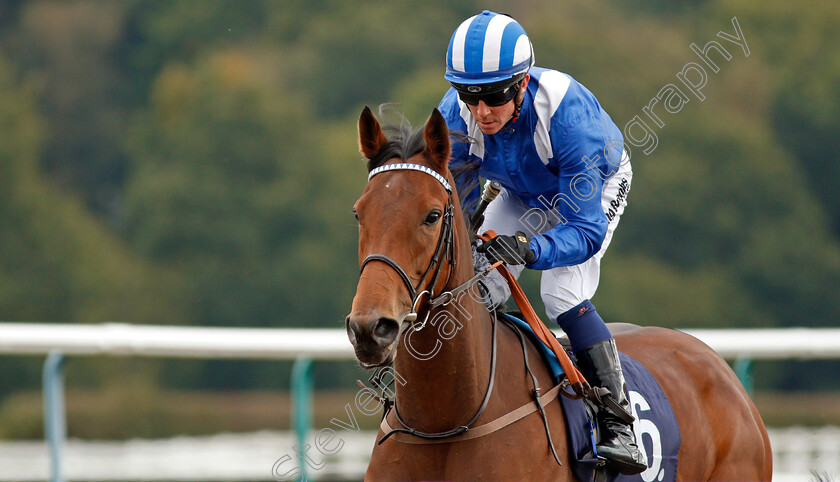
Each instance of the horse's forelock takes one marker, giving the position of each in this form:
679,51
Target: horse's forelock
404,142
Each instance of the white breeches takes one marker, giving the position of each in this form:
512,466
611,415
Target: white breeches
563,287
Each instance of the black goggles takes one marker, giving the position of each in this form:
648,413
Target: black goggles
492,99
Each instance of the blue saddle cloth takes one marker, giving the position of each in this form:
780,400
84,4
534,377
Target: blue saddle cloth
655,427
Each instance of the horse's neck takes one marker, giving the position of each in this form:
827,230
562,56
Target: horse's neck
446,365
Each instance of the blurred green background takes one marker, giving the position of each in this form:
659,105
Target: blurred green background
194,162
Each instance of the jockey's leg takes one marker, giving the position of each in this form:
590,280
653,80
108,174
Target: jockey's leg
595,349
566,292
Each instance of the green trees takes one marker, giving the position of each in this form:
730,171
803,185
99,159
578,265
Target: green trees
58,262
195,162
226,178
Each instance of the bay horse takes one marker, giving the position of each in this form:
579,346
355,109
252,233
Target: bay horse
414,248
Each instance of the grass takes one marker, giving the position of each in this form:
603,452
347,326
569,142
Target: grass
152,413
780,409
149,412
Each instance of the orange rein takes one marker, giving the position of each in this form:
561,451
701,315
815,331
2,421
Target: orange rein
576,378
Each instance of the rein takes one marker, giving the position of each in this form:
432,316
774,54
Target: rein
457,430
576,379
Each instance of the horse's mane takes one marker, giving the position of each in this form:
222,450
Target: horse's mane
404,142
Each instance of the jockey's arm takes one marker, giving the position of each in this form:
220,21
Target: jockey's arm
583,224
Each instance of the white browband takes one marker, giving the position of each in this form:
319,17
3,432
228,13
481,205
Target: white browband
411,167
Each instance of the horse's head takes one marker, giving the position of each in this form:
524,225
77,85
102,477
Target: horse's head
405,232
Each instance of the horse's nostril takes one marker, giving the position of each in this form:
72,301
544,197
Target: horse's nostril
352,330
386,330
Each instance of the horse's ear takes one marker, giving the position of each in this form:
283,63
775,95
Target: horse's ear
437,141
371,137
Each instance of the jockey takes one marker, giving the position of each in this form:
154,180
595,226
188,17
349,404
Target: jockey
565,176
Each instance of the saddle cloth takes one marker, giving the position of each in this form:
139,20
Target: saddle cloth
656,429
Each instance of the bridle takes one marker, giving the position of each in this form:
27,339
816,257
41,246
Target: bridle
444,249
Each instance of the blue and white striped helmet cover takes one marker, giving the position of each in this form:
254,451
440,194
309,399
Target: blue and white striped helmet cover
486,48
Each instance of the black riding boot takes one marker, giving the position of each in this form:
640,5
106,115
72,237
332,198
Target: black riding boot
618,443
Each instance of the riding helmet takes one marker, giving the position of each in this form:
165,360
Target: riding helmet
488,52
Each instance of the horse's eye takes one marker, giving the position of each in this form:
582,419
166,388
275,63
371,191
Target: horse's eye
432,218
355,215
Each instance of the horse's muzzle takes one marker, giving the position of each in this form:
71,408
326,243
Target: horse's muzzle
372,339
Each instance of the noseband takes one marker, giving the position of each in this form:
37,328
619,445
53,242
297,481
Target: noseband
445,246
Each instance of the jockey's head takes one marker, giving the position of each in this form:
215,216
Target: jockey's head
487,63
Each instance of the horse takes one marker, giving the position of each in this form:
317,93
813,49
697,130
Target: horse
415,257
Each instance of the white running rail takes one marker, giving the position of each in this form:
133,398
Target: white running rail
332,344
796,450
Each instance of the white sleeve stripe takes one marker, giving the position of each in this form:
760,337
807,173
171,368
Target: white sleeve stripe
552,89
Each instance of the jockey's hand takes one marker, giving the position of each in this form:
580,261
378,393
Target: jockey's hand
510,249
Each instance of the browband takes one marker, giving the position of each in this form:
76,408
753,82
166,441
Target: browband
411,167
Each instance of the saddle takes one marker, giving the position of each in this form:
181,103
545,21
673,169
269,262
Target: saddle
657,431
